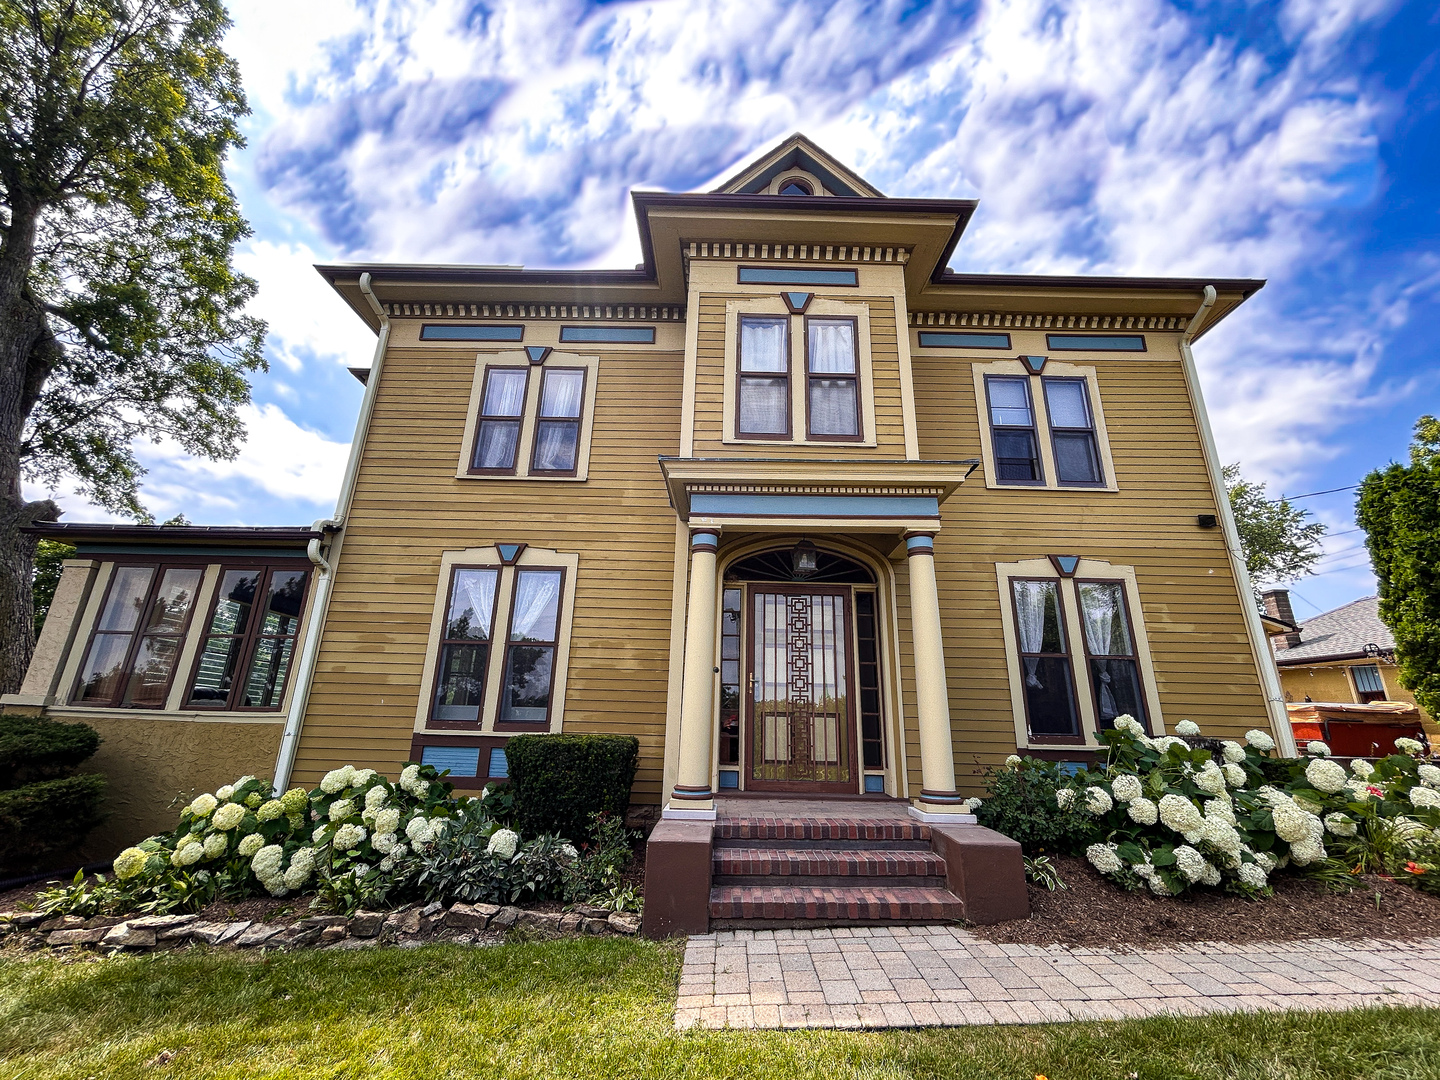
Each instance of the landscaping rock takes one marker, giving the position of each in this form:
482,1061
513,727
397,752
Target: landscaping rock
623,922
435,907
350,944
77,937
298,937
330,935
366,924
125,936
62,922
24,920
323,920
590,911
505,918
404,921
259,934
594,926
539,921
103,921
218,933
470,916
161,923
570,922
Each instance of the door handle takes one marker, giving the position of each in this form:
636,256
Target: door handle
752,684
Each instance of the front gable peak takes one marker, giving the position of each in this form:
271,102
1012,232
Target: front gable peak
797,167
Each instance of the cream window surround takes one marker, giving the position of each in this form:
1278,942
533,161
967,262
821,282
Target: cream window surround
1086,570
774,306
528,417
1053,369
531,557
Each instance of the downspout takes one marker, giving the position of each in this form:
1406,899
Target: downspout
1259,643
305,666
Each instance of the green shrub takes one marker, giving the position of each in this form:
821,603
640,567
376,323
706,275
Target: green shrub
48,816
33,748
560,780
1022,805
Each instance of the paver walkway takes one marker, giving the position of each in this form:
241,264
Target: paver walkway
919,976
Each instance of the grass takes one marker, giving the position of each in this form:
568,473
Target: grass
592,1008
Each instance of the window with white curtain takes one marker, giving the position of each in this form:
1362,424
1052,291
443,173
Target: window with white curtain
530,652
502,405
557,428
1110,652
1045,660
833,378
465,644
531,420
764,382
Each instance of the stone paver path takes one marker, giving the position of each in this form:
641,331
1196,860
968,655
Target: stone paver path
919,976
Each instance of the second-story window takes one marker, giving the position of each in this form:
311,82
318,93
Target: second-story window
1012,425
557,431
502,404
764,377
1072,431
833,378
137,638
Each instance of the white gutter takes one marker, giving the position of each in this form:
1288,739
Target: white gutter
305,666
1259,642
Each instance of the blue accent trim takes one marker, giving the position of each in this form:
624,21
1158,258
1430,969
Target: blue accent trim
1069,768
1097,342
1034,364
764,275
507,552
537,353
1068,563
635,335
797,299
875,784
432,332
920,543
704,539
460,760
950,339
896,506
729,780
499,764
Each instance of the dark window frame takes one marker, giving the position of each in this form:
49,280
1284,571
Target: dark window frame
481,417
554,646
787,373
249,636
777,275
1033,429
485,742
138,633
1090,340
1134,656
862,671
586,334
806,188
810,378
478,335
1364,697
1068,656
1092,430
578,422
957,339
478,722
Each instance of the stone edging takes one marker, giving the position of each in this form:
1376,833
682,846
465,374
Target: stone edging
460,924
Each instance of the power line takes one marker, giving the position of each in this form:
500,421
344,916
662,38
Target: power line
1337,569
1312,494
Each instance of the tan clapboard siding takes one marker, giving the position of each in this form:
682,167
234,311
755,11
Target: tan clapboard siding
1203,664
710,384
409,508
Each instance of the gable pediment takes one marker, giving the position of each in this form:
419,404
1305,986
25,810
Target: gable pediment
799,158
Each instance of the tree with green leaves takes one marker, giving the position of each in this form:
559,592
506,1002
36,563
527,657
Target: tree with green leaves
1278,540
121,316
1399,509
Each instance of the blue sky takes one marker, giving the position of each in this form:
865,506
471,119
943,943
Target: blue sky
1297,141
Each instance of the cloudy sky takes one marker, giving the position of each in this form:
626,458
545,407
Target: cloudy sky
1296,141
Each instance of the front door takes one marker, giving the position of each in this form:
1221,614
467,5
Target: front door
799,718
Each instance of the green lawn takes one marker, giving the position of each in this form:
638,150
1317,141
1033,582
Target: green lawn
591,1008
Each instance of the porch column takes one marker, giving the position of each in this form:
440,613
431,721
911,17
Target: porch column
692,797
932,696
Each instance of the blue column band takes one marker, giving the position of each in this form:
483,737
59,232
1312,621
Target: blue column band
920,545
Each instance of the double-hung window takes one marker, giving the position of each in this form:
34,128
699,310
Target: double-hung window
138,636
530,651
1012,426
764,386
1049,690
249,641
465,645
833,378
1110,651
557,429
1072,431
502,405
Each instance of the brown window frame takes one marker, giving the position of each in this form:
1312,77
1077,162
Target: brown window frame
811,376
1364,697
481,417
861,664
1034,429
464,725
181,634
578,421
249,637
1134,657
553,646
1068,656
1090,431
740,375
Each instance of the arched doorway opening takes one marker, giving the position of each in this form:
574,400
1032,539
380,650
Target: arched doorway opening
800,673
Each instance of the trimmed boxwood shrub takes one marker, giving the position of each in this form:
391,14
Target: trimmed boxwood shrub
1022,805
45,809
560,780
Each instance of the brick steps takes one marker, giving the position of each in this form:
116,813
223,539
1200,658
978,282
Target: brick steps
730,904
828,866
889,833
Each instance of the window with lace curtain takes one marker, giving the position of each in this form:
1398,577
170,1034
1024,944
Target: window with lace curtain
1110,652
1045,660
832,378
530,420
764,384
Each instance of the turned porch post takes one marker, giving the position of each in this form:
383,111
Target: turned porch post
932,696
692,796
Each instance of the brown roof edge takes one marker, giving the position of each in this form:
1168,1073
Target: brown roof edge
1305,661
1246,286
191,535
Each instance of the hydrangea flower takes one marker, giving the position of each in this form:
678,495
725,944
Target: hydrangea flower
1219,810
216,845
1260,740
204,805
1340,825
340,809
253,800
348,837
1361,768
1408,746
383,842
265,863
360,777
1097,801
295,801
1325,775
1211,876
411,781
387,820
1267,861
1143,811
1189,862
1210,779
1064,798
223,793
971,805
1126,786
375,797
1424,798
1232,751
1316,748
419,831
337,780
1253,875
1158,886
1223,837
251,844
1127,723
1103,858
188,853
130,863
1163,744
1188,728
1430,774
228,816
1180,814
1012,761
1294,825
1306,852
302,864
1234,774
503,844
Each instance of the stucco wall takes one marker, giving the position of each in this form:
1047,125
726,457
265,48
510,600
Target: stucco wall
151,764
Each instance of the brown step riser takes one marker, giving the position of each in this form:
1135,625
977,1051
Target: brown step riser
834,881
829,912
819,924
888,832
836,844
862,866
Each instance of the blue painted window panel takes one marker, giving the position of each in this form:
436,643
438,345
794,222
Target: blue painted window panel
1097,342
875,784
765,275
950,339
460,760
729,780
633,335
1070,768
499,764
471,333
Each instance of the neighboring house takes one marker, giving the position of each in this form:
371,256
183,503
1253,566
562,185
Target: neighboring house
1343,657
791,502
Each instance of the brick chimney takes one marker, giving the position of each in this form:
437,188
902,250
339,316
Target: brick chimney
1277,606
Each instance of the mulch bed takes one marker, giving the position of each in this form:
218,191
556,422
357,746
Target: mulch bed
1094,913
